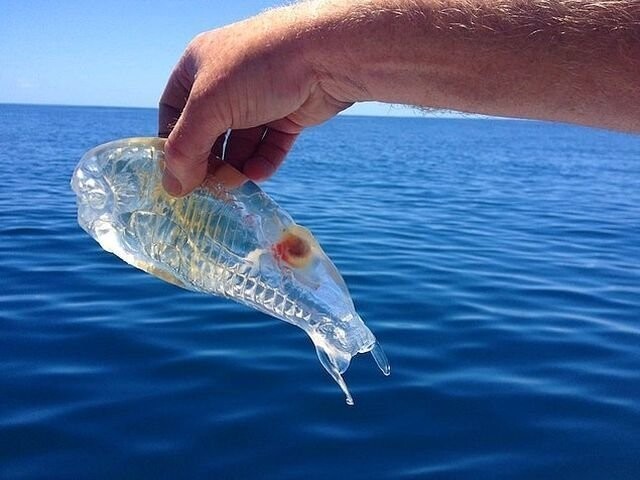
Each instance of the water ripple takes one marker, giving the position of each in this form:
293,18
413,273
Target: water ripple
495,261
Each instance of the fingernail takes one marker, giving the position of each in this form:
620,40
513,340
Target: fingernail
171,184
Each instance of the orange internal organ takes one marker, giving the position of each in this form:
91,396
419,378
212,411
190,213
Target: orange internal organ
293,249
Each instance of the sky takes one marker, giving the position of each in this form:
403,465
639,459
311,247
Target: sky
111,52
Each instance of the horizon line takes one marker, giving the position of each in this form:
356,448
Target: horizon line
430,114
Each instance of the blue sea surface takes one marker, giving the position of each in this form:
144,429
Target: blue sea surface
497,262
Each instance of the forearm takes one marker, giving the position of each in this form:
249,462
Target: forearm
575,61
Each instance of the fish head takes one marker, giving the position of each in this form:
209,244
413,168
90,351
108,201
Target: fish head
94,195
328,313
109,178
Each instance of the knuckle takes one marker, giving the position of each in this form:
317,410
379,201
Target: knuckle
181,157
175,153
172,153
198,45
194,44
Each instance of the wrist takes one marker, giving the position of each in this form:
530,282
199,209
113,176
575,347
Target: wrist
331,47
366,50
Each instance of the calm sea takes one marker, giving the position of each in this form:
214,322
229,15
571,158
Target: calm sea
498,263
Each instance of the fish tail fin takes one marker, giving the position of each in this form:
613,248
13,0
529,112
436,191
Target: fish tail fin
381,359
331,366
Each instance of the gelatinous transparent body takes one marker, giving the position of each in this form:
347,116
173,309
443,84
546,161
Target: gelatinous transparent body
238,244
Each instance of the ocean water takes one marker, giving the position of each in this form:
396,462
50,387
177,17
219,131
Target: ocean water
498,263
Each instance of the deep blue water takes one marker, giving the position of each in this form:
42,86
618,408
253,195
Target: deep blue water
498,263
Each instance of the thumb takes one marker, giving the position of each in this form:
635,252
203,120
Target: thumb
189,145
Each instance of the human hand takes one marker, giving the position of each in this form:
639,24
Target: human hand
254,78
269,77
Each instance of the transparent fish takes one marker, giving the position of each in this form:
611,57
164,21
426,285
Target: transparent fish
234,243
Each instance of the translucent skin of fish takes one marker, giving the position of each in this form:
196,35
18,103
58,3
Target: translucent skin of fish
238,244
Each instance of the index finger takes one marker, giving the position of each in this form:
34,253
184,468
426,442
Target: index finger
173,99
190,142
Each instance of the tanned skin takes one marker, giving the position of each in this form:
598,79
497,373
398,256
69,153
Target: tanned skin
269,77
